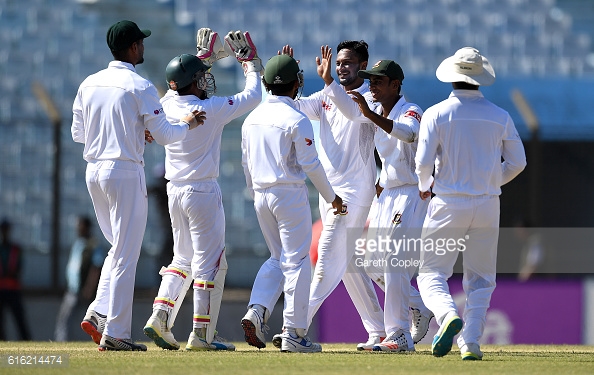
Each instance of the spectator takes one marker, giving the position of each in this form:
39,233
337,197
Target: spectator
82,274
11,265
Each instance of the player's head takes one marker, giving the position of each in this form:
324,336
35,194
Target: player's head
351,56
84,226
126,41
467,67
385,80
282,76
185,71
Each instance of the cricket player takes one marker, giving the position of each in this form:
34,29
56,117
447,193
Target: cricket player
278,152
111,112
195,201
346,153
464,138
400,212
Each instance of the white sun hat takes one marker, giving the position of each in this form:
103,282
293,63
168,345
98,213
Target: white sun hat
467,65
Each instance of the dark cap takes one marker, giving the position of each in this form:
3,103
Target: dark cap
122,34
387,68
281,69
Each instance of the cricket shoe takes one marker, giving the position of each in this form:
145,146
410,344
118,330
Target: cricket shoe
471,352
111,343
198,343
442,342
156,329
399,341
94,324
255,328
420,325
373,340
291,342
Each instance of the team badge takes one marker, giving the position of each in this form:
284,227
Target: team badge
397,219
377,64
308,141
326,106
413,114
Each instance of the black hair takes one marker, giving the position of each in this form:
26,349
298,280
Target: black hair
358,46
464,86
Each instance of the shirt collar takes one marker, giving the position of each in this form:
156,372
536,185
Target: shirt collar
466,93
122,65
284,99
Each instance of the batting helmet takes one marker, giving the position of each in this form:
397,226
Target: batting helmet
182,70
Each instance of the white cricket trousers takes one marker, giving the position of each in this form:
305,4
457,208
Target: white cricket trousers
284,215
336,261
399,217
473,222
118,192
198,224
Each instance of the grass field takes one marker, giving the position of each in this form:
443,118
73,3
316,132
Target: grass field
84,358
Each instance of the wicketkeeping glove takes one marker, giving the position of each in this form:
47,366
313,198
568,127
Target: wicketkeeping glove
244,50
209,46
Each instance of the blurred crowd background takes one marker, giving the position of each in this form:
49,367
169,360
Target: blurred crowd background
541,50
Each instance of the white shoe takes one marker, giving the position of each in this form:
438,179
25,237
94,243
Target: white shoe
471,352
157,330
399,341
94,324
420,324
373,340
196,342
291,342
255,328
111,343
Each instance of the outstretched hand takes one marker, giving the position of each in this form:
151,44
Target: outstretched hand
325,64
360,100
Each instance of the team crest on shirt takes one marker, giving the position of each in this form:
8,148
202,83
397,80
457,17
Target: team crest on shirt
308,141
230,100
326,106
157,111
411,113
397,218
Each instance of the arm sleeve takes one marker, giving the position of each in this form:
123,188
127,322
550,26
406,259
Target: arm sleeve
155,120
426,153
406,128
77,129
244,164
307,157
311,105
343,101
232,107
513,153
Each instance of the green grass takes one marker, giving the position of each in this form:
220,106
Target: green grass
84,358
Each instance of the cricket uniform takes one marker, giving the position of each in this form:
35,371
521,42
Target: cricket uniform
195,201
111,111
464,137
278,151
399,213
346,153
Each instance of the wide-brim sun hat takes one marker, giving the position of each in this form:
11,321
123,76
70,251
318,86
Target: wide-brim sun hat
467,65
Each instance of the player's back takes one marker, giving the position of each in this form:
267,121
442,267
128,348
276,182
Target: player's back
471,130
267,143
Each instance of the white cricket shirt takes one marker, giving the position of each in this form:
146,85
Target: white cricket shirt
112,109
346,147
198,156
397,149
278,147
465,137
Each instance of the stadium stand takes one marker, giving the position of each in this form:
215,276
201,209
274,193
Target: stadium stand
60,42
